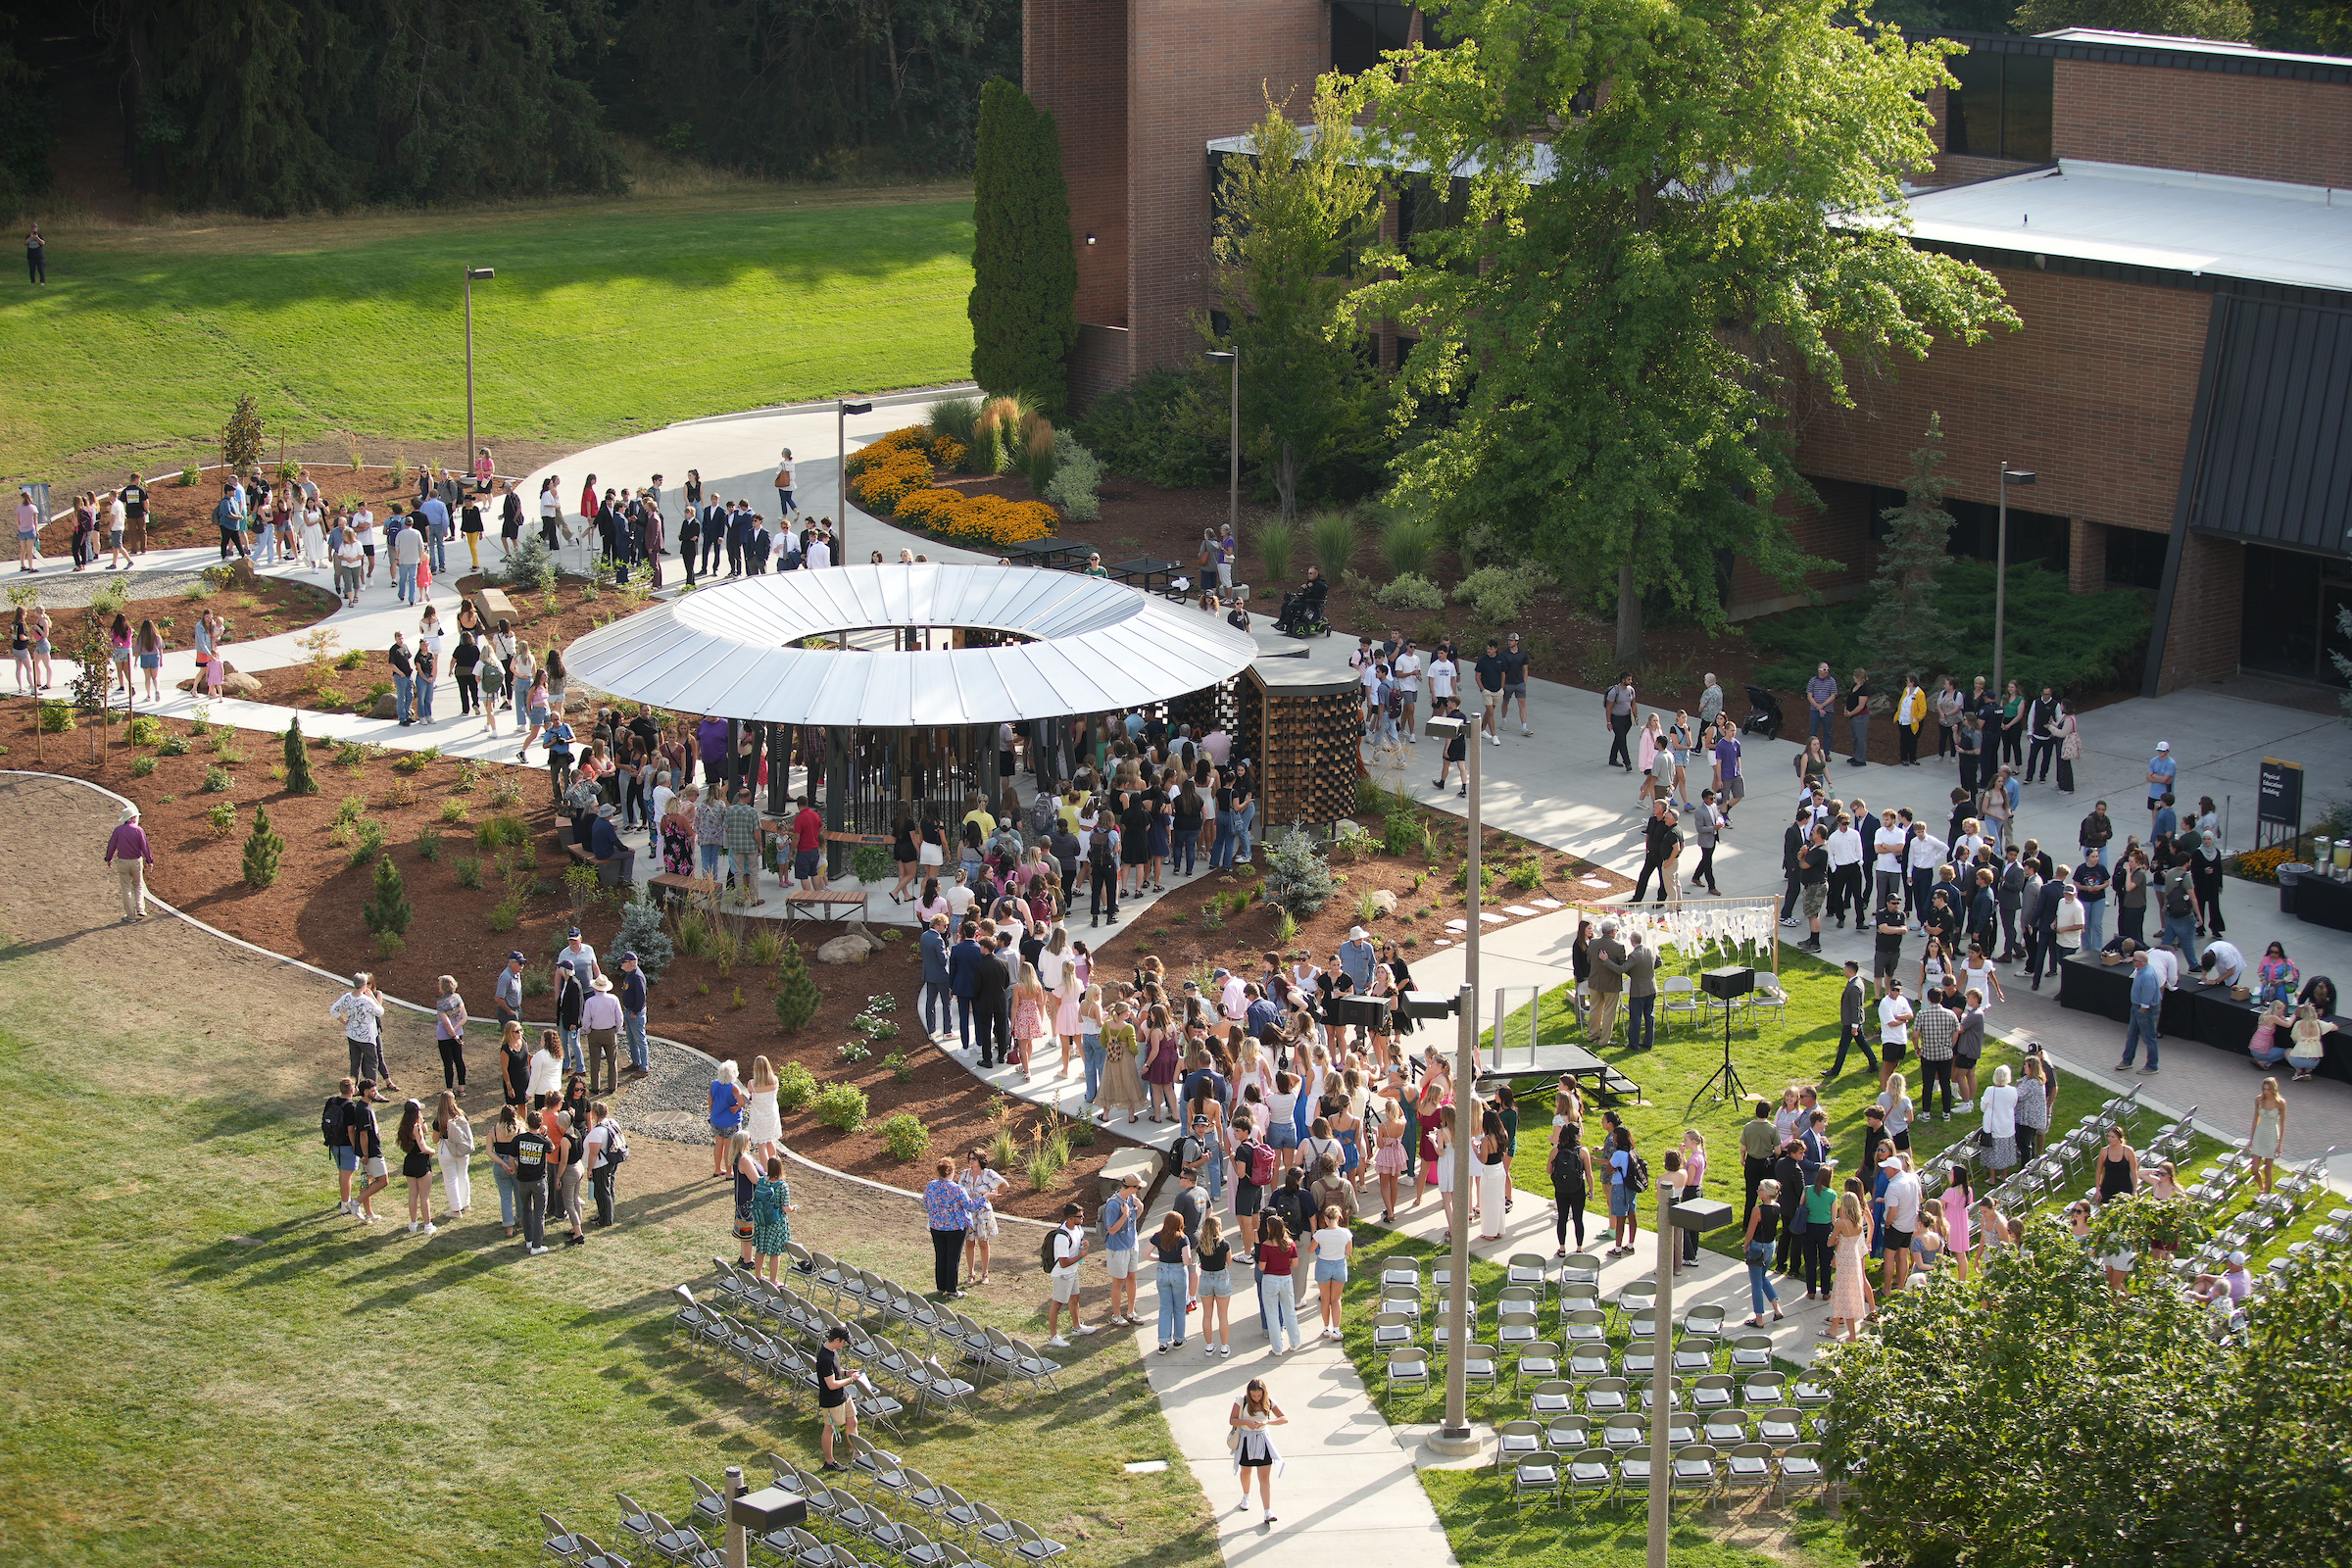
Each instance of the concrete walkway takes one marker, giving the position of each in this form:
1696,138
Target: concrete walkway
1556,788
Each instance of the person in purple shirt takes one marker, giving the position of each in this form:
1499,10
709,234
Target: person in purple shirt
711,737
1730,787
130,853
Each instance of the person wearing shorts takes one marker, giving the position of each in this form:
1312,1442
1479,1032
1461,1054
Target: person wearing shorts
834,1410
1069,1252
1120,1218
1515,683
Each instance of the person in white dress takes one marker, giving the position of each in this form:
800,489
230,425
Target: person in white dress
763,1121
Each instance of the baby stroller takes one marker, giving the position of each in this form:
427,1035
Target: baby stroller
1765,718
1301,613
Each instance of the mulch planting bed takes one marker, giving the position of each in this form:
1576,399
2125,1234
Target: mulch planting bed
265,608
313,912
1190,934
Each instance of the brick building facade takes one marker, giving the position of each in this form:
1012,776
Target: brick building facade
2133,388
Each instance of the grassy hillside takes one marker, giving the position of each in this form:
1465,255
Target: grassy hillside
604,319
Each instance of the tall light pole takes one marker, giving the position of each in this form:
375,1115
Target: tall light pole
473,275
2000,573
841,475
1233,500
1453,1436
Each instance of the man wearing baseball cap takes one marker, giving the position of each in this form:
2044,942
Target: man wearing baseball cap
508,994
633,1013
2162,772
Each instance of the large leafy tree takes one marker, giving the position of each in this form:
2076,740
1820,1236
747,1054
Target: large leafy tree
2179,18
1294,217
1904,631
2030,1415
1684,215
1024,303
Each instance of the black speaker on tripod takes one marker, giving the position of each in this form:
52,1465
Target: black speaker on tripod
1727,986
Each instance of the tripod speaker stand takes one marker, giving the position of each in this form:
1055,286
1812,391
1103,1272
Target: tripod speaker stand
1725,986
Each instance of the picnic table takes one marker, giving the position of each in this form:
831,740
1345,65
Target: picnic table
1147,567
1054,555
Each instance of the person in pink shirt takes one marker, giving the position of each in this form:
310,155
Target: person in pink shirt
131,855
28,533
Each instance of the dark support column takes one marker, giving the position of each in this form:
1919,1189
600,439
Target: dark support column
984,737
837,796
734,762
778,739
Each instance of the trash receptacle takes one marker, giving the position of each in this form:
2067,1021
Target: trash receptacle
2289,874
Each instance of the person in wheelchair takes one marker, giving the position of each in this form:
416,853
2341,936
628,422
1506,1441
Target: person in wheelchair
1303,609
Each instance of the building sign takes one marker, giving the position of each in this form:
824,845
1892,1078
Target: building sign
2281,792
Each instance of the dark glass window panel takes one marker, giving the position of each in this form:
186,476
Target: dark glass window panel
2280,628
1972,113
2027,92
2135,558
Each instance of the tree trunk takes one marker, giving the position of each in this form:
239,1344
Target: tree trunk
1628,615
1286,484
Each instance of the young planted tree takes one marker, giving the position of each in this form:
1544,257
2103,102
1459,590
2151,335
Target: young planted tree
797,995
241,437
1904,631
298,761
1024,302
1629,307
262,847
387,912
1294,218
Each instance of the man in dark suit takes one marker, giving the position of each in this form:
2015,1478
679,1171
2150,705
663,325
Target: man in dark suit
717,521
992,1006
1640,993
964,962
2041,926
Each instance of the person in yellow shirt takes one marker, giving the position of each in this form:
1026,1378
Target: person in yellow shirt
1910,712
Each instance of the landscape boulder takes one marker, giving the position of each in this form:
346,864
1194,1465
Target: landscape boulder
850,949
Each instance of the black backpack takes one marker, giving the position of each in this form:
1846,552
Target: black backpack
2176,897
1636,1176
331,1127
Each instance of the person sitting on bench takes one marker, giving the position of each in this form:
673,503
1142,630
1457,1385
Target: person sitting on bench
1304,606
605,845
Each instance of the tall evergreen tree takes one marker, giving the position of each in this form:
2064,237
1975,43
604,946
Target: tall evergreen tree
389,912
797,995
1905,633
1024,303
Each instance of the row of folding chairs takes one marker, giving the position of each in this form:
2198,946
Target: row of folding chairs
1696,1469
1714,1394
856,1294
847,1522
1779,1427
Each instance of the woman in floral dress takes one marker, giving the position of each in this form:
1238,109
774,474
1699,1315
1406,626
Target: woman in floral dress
677,835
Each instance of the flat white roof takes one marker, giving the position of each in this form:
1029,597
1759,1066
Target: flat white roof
2262,230
2177,45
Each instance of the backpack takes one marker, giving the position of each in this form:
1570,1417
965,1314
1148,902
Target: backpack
330,1122
1261,1164
1636,1176
767,1203
1567,1173
1046,1258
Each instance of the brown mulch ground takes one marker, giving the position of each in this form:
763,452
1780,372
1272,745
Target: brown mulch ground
1178,929
266,607
313,913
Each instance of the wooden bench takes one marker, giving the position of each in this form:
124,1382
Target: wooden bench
1143,1164
608,872
669,887
826,901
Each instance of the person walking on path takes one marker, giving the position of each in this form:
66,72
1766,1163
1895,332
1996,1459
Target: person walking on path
834,1410
1254,1413
36,256
2148,1001
367,1151
1857,718
2162,772
452,1141
1617,711
131,855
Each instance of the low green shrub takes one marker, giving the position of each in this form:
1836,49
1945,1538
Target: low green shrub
796,1086
1411,591
502,832
141,766
1499,594
840,1106
904,1136
169,746
1166,428
216,781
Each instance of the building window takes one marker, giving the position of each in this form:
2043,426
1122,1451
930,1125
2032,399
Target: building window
1360,33
2001,108
1405,344
2135,558
1427,206
2032,535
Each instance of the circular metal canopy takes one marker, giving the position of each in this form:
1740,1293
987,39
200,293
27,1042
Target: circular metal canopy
732,650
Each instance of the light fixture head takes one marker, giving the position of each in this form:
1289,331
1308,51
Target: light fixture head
1090,239
855,408
1219,356
2017,476
480,274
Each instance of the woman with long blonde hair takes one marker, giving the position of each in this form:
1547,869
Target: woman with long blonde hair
764,1122
453,1137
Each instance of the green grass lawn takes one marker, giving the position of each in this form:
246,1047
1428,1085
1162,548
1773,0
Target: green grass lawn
203,1366
605,318
1768,1058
